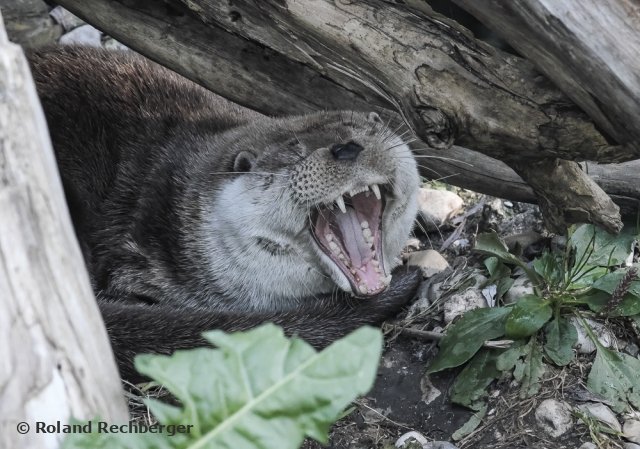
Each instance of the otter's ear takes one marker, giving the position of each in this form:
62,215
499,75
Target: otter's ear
373,117
244,162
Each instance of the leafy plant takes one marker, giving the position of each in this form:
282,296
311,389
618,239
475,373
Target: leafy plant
257,389
589,276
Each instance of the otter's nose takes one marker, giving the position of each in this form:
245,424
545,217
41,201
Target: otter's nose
346,151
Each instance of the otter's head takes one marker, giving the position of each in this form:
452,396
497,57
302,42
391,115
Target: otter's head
316,202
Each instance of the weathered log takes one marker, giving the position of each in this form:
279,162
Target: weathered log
56,359
494,102
563,38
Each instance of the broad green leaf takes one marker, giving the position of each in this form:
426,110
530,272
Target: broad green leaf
603,249
561,336
469,387
467,335
256,389
529,314
471,424
526,362
550,267
630,304
616,377
490,243
500,275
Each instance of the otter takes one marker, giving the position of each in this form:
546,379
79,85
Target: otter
194,213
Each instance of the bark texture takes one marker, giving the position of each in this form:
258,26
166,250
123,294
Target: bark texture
601,35
56,359
289,56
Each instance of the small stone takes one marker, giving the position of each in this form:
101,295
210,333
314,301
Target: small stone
603,414
588,445
430,261
632,349
112,44
411,436
83,35
438,206
631,430
521,286
460,246
462,302
65,18
412,244
554,417
508,204
585,345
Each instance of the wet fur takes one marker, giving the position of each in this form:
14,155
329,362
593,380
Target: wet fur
175,239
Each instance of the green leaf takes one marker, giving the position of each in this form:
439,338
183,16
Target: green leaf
490,243
526,362
500,275
256,389
469,387
550,267
467,335
604,249
471,424
616,377
561,336
630,304
529,314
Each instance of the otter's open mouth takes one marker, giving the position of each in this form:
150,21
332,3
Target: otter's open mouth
349,232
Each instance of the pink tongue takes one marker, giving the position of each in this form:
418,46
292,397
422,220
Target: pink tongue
359,250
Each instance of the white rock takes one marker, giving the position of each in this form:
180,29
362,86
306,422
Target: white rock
584,344
588,445
83,35
554,417
437,206
631,446
409,436
430,261
412,243
66,19
603,414
521,286
631,430
112,44
461,302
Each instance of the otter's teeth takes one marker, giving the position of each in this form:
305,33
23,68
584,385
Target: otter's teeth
358,190
334,247
329,237
376,191
387,280
363,289
364,224
341,205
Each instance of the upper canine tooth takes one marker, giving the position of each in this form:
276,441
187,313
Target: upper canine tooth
340,203
376,191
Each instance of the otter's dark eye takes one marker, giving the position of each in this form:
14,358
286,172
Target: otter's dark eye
346,151
244,162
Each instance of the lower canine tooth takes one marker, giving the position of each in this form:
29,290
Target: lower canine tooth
363,288
340,203
364,224
387,280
